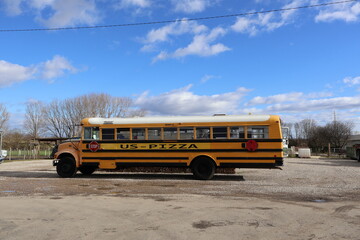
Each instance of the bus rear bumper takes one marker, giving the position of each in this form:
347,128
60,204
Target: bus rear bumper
279,163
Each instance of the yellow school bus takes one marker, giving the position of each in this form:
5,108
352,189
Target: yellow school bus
202,143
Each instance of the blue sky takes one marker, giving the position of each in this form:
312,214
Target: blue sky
298,64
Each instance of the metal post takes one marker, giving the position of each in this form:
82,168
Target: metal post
1,133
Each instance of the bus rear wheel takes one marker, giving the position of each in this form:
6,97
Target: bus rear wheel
66,167
86,170
203,168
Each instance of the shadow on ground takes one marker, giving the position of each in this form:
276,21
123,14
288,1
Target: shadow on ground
135,176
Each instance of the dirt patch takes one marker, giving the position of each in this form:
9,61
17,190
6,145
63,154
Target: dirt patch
309,199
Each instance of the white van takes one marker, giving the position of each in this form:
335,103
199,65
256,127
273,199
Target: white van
3,154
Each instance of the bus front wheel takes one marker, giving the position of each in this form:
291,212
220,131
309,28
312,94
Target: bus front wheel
66,167
203,168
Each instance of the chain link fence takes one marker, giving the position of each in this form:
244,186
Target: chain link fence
21,154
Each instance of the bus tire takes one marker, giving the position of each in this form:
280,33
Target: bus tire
87,170
203,168
66,167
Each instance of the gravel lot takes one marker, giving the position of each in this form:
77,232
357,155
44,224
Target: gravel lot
308,199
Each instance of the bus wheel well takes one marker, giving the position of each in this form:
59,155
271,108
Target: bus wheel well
65,155
202,157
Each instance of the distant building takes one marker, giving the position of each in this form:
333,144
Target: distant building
353,147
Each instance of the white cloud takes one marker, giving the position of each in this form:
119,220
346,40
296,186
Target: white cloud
71,13
184,102
63,12
275,99
254,24
174,29
349,12
291,107
351,81
200,46
206,78
340,103
262,22
55,68
133,3
286,97
12,7
190,6
41,4
11,73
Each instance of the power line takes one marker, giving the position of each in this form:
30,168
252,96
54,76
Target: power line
177,20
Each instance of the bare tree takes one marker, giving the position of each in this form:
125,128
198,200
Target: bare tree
304,130
34,119
54,118
16,139
309,134
63,117
338,133
4,116
318,139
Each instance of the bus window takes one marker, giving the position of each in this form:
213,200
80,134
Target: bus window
237,132
138,133
123,133
187,133
258,132
108,133
219,132
91,133
202,133
170,133
154,133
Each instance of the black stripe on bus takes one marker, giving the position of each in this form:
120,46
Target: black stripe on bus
250,158
181,158
182,150
149,164
135,158
183,141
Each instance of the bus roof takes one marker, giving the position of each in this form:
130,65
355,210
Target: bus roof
180,119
